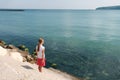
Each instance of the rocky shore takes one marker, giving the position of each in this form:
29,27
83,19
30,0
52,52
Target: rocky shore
15,64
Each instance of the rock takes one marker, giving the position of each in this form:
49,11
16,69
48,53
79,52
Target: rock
24,59
10,69
17,56
30,59
2,43
3,51
10,47
13,54
13,48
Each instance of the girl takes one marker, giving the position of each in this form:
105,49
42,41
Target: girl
40,50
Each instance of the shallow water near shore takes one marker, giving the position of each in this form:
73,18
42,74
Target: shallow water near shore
85,43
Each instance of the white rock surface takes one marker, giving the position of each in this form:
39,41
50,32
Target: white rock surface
13,69
14,54
17,56
3,51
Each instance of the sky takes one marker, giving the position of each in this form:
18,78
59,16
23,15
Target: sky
56,4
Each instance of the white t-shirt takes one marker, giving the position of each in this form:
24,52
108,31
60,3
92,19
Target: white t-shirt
40,51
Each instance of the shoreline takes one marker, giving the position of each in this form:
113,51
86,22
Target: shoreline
18,57
65,74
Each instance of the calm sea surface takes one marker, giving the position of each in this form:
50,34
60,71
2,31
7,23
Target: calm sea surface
85,43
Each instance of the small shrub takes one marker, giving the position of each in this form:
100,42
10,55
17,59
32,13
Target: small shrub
26,49
23,48
54,65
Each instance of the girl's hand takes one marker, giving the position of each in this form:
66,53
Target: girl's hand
43,60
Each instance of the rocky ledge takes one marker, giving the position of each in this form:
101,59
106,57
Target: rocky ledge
15,64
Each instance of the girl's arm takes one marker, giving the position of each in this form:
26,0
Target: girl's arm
36,50
43,53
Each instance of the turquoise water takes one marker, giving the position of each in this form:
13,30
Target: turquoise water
85,43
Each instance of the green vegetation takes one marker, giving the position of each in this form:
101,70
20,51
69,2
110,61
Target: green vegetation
53,65
34,55
23,48
26,49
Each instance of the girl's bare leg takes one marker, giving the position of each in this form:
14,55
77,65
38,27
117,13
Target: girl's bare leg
40,69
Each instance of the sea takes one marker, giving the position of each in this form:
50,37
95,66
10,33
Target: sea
83,43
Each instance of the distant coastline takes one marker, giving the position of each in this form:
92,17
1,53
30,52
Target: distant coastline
11,9
43,9
109,8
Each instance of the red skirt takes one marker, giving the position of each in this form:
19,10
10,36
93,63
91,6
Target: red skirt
40,62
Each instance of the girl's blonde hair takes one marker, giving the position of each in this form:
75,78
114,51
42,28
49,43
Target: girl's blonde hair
40,41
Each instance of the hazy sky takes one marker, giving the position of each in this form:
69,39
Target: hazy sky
57,4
